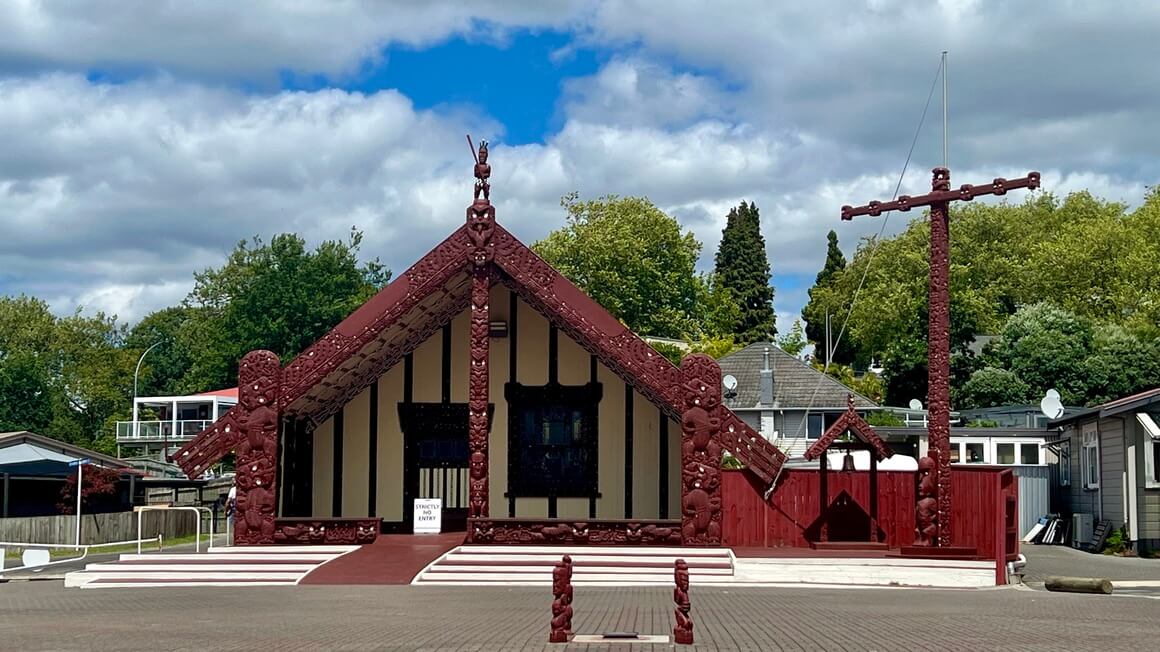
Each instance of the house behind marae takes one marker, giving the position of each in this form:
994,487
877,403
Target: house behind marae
789,402
1110,468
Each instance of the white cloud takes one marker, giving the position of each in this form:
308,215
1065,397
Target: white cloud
112,195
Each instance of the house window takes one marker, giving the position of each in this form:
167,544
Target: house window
552,435
1151,463
1029,453
956,453
976,453
1005,453
1065,463
1090,457
816,424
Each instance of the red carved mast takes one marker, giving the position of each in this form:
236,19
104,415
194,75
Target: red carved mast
480,227
939,338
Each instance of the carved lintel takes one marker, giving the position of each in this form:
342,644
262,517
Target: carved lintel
327,531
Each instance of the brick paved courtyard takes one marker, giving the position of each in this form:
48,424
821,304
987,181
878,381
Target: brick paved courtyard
46,616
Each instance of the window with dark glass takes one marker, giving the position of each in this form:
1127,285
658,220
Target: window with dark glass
552,441
818,423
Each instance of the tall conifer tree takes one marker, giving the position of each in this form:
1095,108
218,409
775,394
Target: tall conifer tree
743,267
815,315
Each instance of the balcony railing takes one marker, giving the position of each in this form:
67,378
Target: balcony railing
159,430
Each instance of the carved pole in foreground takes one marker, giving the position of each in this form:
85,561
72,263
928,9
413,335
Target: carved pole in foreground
683,631
562,604
938,330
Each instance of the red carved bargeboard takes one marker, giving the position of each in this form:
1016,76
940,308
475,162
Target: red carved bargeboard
326,531
533,531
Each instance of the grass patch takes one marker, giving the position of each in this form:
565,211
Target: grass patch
146,546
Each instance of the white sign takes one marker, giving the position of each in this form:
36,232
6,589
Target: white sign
428,516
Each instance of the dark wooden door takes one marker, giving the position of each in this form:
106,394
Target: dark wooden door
435,454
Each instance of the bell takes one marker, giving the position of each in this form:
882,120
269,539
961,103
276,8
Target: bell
848,462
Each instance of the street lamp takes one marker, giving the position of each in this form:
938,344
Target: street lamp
136,424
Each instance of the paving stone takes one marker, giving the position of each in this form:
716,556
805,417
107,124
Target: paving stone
46,616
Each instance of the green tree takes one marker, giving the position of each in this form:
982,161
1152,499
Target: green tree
634,260
814,312
743,267
794,341
163,369
277,296
1046,346
1120,364
990,387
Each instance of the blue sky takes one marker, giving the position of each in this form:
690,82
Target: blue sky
143,139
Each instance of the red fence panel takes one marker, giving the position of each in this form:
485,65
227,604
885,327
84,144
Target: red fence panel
984,508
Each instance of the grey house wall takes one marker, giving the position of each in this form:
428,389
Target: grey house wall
1083,501
1112,470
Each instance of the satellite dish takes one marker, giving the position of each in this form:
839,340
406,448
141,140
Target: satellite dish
915,404
1051,407
729,382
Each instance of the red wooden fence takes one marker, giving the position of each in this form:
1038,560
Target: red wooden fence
985,503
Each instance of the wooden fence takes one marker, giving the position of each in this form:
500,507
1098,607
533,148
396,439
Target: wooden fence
984,504
102,528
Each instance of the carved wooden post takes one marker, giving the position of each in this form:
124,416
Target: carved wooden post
256,447
938,524
700,451
480,227
562,602
683,630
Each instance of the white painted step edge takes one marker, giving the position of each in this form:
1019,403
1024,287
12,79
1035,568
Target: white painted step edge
278,550
181,575
169,585
576,571
238,568
225,557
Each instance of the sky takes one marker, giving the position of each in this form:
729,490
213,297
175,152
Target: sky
141,140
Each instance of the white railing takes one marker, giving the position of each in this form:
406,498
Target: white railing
38,561
141,509
159,430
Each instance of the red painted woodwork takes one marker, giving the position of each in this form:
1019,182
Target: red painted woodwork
683,629
326,531
608,532
938,332
561,602
700,451
986,513
481,227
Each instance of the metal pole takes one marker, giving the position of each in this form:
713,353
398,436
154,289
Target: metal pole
80,475
946,162
136,427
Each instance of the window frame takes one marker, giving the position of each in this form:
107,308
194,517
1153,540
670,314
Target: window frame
1090,455
1065,463
828,419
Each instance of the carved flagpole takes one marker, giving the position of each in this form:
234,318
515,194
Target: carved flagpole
938,336
480,227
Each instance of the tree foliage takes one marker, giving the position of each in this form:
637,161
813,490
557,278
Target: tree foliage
98,491
1086,256
742,266
636,261
277,296
793,342
814,312
991,386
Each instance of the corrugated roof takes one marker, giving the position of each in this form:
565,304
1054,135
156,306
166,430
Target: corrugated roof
794,381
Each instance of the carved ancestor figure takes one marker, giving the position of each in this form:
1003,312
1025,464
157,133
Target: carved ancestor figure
562,604
482,172
683,630
477,494
926,511
259,384
700,451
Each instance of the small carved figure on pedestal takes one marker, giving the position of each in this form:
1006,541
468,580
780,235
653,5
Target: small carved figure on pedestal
683,631
562,604
926,511
482,171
